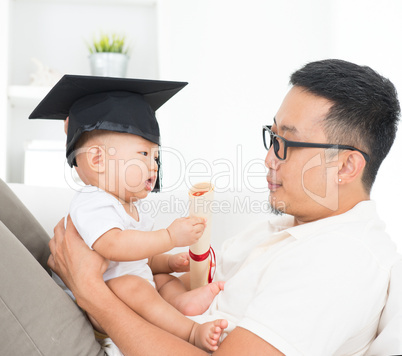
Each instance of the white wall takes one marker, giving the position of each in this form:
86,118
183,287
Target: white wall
368,32
55,32
3,86
238,56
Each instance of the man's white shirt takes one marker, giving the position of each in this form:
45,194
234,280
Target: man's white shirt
314,289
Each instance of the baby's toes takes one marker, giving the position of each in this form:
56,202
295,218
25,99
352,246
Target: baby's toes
215,335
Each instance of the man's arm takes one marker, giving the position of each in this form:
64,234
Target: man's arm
82,269
132,334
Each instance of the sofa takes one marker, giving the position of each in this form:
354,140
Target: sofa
232,212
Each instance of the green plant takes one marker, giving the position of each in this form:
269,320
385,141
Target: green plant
109,43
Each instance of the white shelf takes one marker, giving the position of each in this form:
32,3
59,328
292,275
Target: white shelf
26,95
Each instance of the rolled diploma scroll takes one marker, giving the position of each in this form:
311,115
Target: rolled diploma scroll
201,196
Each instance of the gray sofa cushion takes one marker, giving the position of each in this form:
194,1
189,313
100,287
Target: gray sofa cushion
37,317
23,225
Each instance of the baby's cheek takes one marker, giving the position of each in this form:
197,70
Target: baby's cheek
134,176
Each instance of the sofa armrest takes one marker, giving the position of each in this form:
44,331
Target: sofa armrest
47,204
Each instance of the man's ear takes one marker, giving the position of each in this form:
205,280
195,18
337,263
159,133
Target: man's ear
96,158
351,166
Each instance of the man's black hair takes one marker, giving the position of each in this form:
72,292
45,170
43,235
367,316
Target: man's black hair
365,111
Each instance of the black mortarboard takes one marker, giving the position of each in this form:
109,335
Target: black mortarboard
103,103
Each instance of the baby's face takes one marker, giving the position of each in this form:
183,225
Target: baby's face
131,166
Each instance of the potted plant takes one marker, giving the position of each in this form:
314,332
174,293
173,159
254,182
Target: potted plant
109,55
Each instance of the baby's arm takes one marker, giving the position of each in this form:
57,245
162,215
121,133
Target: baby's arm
129,245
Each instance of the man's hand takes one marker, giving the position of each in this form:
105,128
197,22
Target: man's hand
75,263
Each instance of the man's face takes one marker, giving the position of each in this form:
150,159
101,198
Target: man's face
305,184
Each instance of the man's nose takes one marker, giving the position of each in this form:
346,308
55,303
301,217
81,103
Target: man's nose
271,161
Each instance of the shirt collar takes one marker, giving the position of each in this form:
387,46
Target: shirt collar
364,210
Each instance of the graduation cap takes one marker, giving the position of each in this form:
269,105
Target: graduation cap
104,103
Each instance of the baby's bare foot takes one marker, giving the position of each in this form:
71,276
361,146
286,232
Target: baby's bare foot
206,336
197,301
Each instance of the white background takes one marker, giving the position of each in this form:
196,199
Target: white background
237,57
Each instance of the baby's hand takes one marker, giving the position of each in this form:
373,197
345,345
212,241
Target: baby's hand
186,231
179,262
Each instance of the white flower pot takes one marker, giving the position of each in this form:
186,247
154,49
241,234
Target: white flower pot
108,64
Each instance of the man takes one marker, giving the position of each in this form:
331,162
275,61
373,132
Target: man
312,282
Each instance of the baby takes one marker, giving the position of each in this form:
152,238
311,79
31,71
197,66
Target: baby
113,140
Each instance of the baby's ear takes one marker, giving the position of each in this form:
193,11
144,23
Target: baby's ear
96,158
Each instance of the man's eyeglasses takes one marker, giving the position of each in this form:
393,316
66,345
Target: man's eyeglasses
281,144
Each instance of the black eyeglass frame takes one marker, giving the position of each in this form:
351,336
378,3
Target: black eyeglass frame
287,143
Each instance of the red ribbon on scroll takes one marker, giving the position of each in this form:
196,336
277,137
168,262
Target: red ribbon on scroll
203,257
